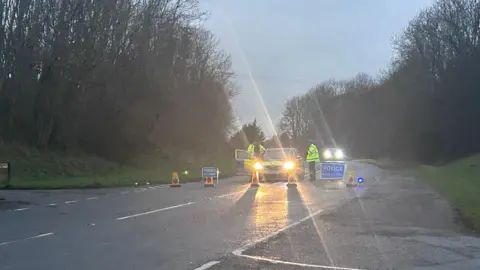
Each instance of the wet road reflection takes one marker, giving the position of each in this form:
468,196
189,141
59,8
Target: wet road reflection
270,209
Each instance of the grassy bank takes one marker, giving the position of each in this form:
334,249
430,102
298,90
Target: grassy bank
459,182
36,169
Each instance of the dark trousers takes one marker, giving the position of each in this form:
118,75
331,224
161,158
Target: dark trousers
311,170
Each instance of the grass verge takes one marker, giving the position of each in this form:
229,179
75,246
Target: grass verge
459,182
36,169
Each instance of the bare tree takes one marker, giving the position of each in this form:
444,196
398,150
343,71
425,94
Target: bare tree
95,75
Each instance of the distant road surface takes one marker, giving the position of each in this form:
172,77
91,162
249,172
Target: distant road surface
391,222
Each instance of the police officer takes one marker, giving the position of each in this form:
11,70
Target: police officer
251,148
255,149
312,157
258,150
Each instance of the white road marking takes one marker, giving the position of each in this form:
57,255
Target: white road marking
233,193
21,209
207,265
257,258
25,239
155,211
124,193
52,204
239,251
91,198
73,201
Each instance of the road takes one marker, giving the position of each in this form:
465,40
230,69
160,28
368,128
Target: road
391,222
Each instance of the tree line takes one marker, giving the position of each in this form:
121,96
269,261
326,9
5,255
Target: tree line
115,78
424,107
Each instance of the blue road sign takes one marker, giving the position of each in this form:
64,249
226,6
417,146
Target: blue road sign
332,170
209,172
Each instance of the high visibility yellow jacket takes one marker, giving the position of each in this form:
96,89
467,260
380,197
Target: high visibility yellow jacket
251,148
312,154
261,148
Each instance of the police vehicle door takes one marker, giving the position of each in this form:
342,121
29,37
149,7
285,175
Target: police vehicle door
244,162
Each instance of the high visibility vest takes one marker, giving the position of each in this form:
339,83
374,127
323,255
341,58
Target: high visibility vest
260,149
312,154
251,148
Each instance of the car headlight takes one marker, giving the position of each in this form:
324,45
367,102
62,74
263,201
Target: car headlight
327,154
289,165
258,166
338,154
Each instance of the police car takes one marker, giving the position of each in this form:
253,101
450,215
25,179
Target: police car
332,154
279,163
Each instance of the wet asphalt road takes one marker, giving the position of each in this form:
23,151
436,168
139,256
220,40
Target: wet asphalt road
391,222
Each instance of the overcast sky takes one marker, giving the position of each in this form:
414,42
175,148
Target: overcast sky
284,47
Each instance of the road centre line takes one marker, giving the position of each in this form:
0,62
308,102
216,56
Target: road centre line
176,206
121,193
155,211
25,239
207,265
233,193
72,201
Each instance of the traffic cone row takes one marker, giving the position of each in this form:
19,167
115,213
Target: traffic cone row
254,180
176,181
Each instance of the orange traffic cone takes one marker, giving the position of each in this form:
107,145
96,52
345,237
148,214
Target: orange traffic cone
209,182
292,181
254,182
175,180
351,179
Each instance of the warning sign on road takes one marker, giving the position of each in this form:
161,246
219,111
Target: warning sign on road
209,172
332,170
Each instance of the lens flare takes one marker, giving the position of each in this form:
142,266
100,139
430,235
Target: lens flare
288,165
